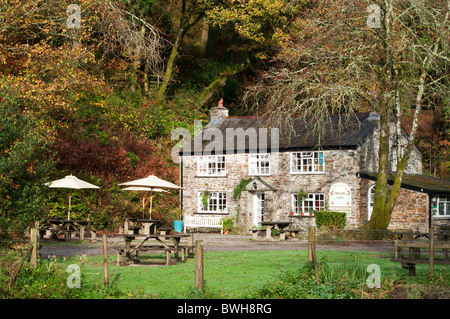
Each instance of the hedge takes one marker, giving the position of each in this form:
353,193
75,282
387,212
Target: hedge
326,219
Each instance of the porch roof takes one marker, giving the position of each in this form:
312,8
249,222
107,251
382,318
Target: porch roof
416,182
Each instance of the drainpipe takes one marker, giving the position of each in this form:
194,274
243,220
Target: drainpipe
430,208
181,182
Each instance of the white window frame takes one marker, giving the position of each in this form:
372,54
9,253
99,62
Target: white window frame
314,201
370,201
211,165
313,160
259,164
441,206
217,200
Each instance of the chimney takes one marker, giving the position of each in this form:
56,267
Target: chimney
218,112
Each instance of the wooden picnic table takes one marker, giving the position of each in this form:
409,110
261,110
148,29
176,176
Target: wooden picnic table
141,226
52,227
281,225
161,245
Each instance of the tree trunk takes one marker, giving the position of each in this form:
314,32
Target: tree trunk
380,218
220,81
169,68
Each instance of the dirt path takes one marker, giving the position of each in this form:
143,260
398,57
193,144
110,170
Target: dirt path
211,242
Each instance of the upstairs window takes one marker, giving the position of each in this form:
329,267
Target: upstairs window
308,204
307,162
211,165
259,164
212,202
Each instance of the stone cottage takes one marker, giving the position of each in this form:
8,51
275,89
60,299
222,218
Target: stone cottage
240,167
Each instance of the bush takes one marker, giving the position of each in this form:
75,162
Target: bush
301,284
49,281
330,220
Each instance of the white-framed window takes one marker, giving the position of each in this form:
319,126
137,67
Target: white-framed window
211,165
371,201
259,164
212,202
307,162
309,204
441,206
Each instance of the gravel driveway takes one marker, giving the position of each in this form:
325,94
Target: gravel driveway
211,242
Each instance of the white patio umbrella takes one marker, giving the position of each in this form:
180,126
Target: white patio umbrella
152,182
145,189
71,182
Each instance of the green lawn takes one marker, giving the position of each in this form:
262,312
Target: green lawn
230,274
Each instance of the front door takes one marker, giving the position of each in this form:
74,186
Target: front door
258,208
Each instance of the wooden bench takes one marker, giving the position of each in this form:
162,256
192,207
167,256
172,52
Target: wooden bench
289,232
257,232
414,253
203,222
283,233
168,251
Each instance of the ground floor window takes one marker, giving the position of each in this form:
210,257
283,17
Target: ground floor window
441,206
212,202
308,204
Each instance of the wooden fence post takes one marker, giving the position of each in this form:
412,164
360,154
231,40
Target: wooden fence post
431,256
312,250
105,261
34,245
311,242
199,264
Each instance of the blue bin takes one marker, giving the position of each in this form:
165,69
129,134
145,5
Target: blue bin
178,224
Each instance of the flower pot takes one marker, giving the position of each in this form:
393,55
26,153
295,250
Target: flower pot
178,225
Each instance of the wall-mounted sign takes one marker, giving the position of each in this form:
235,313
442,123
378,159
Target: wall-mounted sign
340,195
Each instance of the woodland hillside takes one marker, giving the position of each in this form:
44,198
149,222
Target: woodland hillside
98,96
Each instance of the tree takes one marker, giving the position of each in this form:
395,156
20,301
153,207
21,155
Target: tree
25,163
386,56
191,12
53,60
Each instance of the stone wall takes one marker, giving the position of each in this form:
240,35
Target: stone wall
410,211
368,154
340,166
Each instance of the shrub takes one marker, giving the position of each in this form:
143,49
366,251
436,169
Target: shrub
330,220
49,281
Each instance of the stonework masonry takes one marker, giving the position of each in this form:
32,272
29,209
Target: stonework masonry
341,165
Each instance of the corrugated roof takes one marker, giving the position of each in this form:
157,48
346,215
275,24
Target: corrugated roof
338,131
416,182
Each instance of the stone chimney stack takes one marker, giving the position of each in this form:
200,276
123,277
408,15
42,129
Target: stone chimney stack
218,112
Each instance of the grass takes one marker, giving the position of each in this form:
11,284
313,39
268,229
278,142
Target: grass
233,274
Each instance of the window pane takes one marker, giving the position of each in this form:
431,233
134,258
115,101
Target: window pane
307,162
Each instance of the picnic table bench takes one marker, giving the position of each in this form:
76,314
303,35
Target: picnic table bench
53,227
416,256
281,225
140,226
161,245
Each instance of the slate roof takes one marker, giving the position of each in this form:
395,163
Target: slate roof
339,132
416,182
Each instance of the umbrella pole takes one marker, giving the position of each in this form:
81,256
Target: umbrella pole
143,206
70,198
151,203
